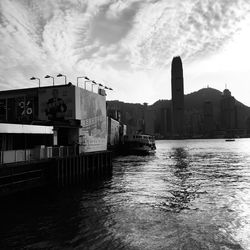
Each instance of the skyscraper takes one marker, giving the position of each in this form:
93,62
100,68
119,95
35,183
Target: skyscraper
228,111
177,96
208,116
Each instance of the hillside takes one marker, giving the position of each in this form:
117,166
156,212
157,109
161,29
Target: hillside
196,99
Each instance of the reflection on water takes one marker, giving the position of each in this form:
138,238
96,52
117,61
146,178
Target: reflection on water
191,194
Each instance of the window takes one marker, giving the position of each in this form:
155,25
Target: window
2,109
11,110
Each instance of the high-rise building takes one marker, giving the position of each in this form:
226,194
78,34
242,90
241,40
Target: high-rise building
177,96
208,116
228,111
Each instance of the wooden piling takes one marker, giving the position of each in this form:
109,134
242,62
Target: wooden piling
82,168
60,172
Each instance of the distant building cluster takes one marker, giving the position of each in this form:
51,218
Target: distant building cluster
207,113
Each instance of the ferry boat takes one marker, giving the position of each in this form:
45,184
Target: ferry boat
230,139
139,144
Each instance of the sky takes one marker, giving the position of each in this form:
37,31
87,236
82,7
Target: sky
127,45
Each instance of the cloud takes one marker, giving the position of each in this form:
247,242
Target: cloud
116,41
188,28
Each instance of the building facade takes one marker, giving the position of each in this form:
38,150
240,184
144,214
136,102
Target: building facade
77,116
208,113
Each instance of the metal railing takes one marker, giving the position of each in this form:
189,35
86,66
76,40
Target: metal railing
39,153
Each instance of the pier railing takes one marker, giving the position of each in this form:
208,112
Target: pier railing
40,153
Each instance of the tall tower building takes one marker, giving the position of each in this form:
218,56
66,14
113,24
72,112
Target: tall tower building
177,96
228,111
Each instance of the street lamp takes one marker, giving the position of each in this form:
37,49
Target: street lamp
87,80
108,88
65,77
35,78
93,83
48,76
78,79
84,77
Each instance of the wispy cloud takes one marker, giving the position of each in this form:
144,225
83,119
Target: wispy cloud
187,28
121,42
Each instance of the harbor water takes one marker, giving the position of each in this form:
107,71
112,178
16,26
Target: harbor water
191,194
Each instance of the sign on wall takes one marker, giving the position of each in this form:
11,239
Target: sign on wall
25,108
17,108
93,134
57,103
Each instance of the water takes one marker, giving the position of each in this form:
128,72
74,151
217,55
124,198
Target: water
192,194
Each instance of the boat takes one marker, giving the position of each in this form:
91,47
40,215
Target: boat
141,144
230,140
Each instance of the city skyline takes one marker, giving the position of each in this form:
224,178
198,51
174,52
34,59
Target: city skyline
127,45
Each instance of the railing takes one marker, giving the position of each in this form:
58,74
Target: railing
22,155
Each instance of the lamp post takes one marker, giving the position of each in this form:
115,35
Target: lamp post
93,83
48,76
35,78
84,77
65,77
87,80
79,77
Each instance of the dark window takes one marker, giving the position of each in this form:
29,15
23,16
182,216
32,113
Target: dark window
2,109
11,110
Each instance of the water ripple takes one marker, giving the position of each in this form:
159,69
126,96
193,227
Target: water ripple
192,194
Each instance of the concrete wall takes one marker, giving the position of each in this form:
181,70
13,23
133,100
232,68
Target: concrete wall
113,132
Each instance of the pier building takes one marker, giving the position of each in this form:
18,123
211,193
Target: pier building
54,134
76,116
177,96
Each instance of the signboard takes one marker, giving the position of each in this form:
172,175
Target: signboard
25,108
57,103
17,109
93,132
